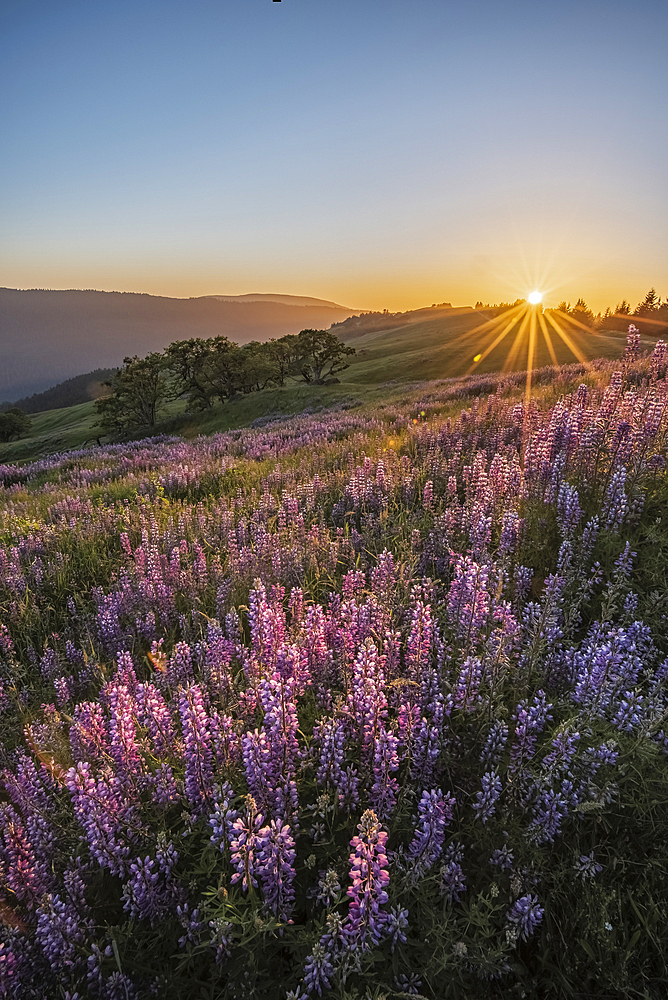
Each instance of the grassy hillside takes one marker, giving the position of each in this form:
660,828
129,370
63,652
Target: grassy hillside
444,347
386,364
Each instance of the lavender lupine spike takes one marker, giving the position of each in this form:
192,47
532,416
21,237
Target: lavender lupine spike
383,793
524,916
485,804
330,736
243,836
529,723
466,696
27,874
61,933
367,701
197,748
434,814
275,866
366,922
106,815
122,728
420,642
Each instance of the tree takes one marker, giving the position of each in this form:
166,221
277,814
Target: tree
320,354
138,392
649,305
623,308
564,307
582,313
186,361
14,423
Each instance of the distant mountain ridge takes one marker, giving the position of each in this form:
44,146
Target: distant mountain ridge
287,300
73,391
48,336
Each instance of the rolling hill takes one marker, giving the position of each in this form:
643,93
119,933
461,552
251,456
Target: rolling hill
49,336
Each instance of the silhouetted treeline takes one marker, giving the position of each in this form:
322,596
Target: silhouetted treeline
203,372
652,314
80,389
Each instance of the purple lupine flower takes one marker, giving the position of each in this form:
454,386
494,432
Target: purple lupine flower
106,815
529,723
495,743
280,748
27,875
256,754
197,748
397,923
434,814
122,727
420,641
485,804
154,715
223,815
549,810
503,858
318,970
89,738
453,880
349,789
524,916
151,890
586,867
383,793
221,940
191,923
329,888
564,748
242,833
275,866
330,735
569,511
366,701
365,923
468,601
466,696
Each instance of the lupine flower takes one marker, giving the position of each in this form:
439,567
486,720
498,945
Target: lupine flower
221,939
329,888
549,810
383,793
503,858
198,750
365,923
434,813
243,836
524,916
275,865
485,804
586,867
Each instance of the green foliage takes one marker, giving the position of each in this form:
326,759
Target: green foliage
138,392
14,423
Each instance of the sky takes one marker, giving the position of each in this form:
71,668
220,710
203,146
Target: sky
377,153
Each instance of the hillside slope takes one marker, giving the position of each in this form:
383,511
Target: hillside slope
445,346
48,336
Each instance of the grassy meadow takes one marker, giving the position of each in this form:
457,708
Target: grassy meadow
386,364
366,702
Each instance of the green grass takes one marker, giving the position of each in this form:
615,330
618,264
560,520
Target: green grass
442,347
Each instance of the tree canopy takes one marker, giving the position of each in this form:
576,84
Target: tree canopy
14,423
205,371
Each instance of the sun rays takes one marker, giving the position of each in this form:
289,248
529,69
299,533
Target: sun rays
525,328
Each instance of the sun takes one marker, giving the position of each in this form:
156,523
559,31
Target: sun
535,298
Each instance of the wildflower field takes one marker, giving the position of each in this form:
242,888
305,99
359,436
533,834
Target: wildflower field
362,704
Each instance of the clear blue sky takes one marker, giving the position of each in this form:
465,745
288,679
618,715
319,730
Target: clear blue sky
381,154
